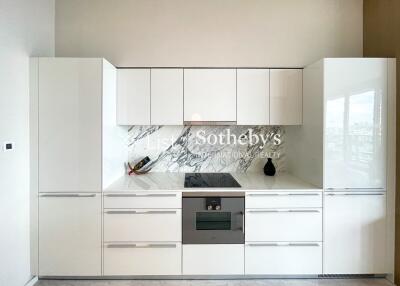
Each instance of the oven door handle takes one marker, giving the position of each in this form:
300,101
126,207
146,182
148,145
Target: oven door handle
243,221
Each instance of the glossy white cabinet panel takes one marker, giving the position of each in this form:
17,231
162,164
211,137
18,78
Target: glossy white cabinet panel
142,258
355,233
298,199
355,123
283,225
166,96
143,200
133,96
286,97
276,258
70,112
213,259
70,235
142,225
210,94
253,96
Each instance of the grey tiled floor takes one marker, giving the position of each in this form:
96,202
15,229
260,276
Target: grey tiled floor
251,282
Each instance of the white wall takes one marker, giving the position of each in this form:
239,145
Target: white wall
26,28
247,33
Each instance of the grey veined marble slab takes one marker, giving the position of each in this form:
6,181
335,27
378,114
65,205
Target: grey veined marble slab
207,148
250,282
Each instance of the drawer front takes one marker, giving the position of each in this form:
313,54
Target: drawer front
275,200
142,225
165,200
213,259
284,225
283,259
142,259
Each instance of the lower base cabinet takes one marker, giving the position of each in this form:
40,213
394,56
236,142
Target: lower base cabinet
69,234
142,259
283,258
215,259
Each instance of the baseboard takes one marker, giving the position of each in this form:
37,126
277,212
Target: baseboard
32,281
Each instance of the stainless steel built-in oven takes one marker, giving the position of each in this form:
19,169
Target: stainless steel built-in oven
213,218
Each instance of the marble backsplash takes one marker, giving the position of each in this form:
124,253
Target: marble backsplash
207,148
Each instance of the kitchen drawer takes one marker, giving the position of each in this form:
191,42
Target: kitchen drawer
306,199
138,200
296,258
213,259
142,259
283,225
142,225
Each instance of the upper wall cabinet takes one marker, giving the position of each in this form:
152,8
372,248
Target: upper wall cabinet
133,97
252,96
166,96
210,95
286,97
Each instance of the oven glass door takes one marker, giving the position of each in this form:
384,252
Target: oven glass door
203,226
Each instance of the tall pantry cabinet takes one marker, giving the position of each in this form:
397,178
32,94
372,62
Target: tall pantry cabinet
348,120
67,162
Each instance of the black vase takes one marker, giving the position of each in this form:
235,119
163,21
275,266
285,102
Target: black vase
269,168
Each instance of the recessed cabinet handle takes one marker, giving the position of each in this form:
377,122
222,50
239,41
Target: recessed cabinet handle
67,195
141,245
283,211
284,244
138,195
355,194
276,195
140,212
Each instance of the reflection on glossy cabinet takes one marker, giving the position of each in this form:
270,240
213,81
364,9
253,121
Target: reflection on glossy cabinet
210,95
252,96
133,97
355,123
286,97
69,235
166,96
355,233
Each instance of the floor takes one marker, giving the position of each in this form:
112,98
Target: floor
253,282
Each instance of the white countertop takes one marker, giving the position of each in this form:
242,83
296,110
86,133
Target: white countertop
175,182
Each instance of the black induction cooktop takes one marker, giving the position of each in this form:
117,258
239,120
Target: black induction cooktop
210,180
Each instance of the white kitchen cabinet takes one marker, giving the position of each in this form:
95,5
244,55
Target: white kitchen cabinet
133,96
277,258
142,225
70,234
166,96
69,124
286,97
142,259
355,124
284,199
143,200
253,96
213,259
355,233
210,95
283,225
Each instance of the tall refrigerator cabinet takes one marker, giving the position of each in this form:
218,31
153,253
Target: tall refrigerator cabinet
353,97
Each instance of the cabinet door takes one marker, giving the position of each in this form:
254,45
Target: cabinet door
210,95
167,96
286,106
69,235
354,233
355,123
133,96
70,98
252,96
